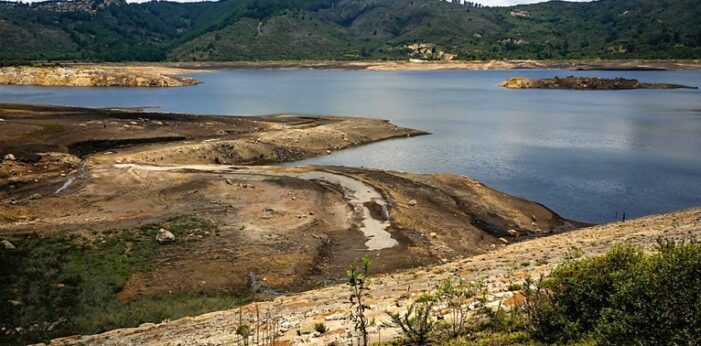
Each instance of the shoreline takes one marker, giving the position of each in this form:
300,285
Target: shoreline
172,74
583,65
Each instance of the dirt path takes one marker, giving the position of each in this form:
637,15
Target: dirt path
361,195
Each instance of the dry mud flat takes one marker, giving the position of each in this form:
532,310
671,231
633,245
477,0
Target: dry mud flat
277,229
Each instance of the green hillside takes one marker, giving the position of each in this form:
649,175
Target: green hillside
112,30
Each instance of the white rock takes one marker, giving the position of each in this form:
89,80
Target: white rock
10,157
165,236
513,233
7,245
413,203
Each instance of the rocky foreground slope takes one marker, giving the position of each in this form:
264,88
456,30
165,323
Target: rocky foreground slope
393,292
92,76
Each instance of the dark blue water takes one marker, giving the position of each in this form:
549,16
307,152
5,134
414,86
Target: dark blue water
585,154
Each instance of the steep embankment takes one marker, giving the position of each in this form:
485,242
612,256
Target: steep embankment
93,76
393,292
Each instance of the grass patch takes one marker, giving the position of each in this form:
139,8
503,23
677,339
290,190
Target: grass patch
63,284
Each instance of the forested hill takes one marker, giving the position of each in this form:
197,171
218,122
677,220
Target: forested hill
112,30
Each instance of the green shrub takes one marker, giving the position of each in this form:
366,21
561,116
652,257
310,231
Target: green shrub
245,332
416,323
359,283
454,295
320,328
515,287
499,320
623,297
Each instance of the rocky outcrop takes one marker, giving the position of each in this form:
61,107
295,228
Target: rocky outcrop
90,77
427,51
572,82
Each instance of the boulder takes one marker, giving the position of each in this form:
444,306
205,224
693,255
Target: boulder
164,236
7,245
513,233
10,157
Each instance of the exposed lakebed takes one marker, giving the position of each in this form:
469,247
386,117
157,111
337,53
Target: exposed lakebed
589,155
357,193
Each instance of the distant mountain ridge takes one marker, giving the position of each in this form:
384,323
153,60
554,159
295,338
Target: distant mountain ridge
113,30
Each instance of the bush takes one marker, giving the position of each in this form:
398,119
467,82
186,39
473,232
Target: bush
623,297
416,323
501,320
454,295
320,328
359,283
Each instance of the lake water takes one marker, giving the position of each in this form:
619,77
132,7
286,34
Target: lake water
585,154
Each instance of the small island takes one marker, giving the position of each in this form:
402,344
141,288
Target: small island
586,83
94,76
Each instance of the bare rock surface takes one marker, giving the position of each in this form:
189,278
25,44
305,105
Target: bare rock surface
165,236
7,245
